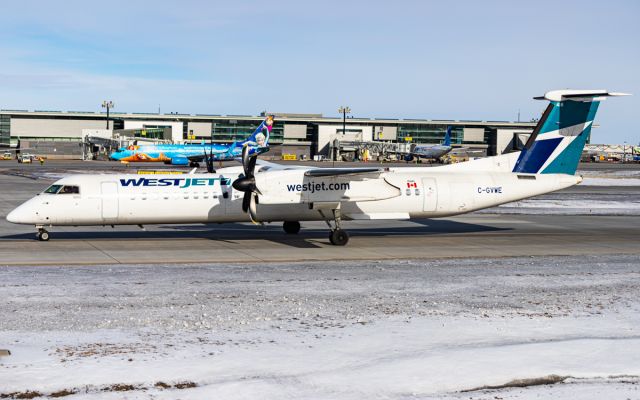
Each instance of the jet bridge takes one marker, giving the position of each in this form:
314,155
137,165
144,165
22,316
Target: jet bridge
353,150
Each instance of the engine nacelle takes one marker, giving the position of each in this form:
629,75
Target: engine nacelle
293,186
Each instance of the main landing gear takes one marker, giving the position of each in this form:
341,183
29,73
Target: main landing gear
338,236
42,235
291,227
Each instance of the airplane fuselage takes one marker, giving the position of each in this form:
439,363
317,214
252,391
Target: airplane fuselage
173,153
288,195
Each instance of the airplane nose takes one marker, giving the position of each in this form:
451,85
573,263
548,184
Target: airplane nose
16,216
23,214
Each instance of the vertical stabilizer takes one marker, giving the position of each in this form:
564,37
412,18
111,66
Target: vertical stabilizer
556,144
447,137
260,137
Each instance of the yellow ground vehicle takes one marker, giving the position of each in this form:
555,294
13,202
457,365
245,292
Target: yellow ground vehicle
7,156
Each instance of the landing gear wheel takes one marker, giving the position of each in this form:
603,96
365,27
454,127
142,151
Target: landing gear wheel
42,235
194,164
291,227
339,237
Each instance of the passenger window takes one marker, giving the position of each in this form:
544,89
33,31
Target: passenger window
69,190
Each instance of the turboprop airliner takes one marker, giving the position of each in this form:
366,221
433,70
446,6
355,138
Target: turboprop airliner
193,154
271,193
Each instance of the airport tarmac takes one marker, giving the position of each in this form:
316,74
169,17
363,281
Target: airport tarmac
483,234
447,308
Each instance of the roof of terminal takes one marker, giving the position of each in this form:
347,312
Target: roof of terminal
280,116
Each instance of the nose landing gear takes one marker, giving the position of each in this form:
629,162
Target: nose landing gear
42,235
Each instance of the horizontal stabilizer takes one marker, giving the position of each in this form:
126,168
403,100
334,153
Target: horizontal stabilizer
579,95
318,172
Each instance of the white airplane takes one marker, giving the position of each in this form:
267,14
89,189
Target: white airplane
431,151
270,192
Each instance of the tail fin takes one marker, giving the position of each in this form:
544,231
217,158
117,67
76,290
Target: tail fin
556,144
260,137
447,137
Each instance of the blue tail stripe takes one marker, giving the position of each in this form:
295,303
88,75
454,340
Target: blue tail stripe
532,159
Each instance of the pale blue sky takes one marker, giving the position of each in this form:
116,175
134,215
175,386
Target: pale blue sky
402,59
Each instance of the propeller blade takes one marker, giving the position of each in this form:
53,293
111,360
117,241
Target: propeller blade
245,161
252,164
210,162
247,183
252,209
246,201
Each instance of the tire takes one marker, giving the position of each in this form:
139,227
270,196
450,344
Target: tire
43,236
339,237
291,227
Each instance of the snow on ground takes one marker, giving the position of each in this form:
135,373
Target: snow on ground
610,177
387,330
567,206
610,182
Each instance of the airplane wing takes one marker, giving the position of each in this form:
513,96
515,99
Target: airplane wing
268,165
317,172
322,172
179,160
196,157
200,157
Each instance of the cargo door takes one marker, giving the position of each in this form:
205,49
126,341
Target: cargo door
109,200
430,194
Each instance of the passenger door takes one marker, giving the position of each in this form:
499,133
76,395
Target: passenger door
109,200
430,194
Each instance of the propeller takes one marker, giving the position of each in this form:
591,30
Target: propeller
208,159
247,183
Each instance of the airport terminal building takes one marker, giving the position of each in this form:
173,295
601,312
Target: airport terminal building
60,134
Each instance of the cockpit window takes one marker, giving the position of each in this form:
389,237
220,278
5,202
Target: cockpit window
69,190
53,189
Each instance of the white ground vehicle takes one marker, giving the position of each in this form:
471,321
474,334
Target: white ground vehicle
25,158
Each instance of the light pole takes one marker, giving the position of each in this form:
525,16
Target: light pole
344,110
624,152
108,104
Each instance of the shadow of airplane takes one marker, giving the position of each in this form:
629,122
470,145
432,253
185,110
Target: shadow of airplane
233,232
